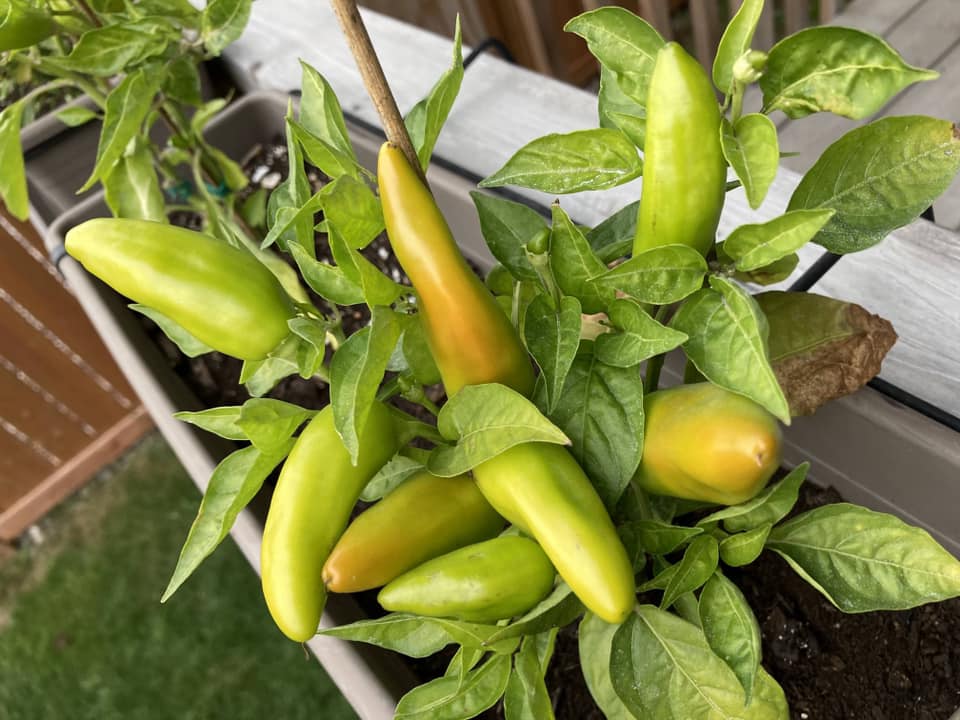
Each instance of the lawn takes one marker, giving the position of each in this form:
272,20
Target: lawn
83,633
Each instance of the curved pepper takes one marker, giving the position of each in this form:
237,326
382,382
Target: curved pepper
311,505
702,442
471,339
425,517
684,173
486,582
221,295
541,489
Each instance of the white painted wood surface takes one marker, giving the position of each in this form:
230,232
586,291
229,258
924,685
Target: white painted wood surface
501,107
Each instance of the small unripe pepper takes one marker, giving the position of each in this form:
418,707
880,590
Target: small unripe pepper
541,489
425,517
684,173
471,339
702,442
221,295
311,505
486,582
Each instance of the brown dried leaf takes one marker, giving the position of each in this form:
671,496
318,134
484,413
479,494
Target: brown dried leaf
822,348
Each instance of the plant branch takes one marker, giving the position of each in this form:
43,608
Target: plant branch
88,12
375,81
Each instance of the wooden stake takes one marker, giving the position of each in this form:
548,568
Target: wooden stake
358,40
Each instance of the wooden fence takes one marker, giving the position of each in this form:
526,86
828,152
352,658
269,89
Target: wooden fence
65,409
533,29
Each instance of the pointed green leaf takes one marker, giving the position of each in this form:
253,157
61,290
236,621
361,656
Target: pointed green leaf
731,629
553,336
13,179
640,337
753,151
659,276
735,42
756,246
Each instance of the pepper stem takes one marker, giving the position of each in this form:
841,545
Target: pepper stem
375,81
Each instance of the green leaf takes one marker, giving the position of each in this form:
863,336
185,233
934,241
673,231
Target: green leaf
182,82
769,507
329,159
260,376
661,275
446,698
863,560
728,344
126,109
613,238
756,246
582,160
313,334
465,659
640,337
770,274
526,696
76,116
507,227
109,50
560,608
13,179
595,638
436,106
412,354
660,538
378,289
835,69
233,484
486,420
220,421
553,336
231,173
320,112
291,195
390,476
270,423
601,410
413,635
574,264
822,348
743,548
616,110
735,42
356,371
292,222
205,113
731,629
663,667
879,177
622,42
328,281
185,342
223,22
352,208
752,149
699,561
132,188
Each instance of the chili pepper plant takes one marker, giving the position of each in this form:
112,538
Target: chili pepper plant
580,490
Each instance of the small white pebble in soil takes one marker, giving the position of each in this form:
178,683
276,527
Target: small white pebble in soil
382,252
258,172
803,716
271,181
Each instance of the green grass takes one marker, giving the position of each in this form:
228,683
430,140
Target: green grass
83,634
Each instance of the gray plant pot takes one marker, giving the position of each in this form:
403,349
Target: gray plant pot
874,451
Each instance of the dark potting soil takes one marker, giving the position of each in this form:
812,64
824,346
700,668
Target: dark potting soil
832,666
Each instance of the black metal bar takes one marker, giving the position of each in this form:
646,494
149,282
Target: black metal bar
812,274
490,43
915,403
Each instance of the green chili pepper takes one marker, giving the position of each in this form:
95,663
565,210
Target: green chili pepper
485,582
684,173
311,505
541,489
221,295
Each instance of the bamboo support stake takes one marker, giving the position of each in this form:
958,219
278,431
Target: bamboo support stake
375,81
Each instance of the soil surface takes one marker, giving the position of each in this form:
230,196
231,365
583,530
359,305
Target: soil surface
832,666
